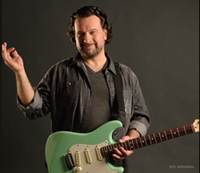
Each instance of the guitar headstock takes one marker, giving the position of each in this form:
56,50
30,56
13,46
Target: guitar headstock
196,125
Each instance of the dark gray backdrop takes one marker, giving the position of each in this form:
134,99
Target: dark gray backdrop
158,39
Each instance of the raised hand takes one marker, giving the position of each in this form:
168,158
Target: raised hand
15,63
24,89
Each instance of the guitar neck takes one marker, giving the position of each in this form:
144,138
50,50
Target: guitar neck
147,140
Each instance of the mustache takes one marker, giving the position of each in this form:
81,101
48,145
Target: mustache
88,44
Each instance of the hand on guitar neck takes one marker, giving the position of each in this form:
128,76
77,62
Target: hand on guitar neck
122,153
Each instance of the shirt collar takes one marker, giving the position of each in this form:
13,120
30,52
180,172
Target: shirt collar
77,59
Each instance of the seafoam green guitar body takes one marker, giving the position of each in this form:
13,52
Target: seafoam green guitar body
61,143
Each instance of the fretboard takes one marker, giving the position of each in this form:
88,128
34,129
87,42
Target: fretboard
147,140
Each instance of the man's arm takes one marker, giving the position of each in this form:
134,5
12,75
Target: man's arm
24,89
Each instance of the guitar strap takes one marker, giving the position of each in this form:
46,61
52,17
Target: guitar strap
119,94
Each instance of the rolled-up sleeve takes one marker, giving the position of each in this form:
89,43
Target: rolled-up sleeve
140,120
34,109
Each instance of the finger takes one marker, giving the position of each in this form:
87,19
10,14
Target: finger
4,49
126,152
4,46
6,53
14,52
118,152
116,157
123,139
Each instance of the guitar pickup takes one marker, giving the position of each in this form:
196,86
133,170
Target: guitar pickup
69,161
77,158
98,152
88,156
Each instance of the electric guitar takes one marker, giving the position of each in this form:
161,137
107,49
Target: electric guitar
69,152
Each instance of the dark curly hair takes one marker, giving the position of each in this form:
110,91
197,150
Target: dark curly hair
87,11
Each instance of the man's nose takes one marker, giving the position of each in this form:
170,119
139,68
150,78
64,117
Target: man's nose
87,38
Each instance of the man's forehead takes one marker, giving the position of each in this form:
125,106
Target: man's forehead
91,22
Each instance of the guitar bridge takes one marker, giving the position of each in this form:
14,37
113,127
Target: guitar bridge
69,161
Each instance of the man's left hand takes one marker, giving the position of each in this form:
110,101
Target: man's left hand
121,153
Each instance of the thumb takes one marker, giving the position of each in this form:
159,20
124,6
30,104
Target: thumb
123,139
14,52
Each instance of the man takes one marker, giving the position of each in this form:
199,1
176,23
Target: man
80,91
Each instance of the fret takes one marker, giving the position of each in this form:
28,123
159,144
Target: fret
157,136
136,143
181,131
192,127
143,141
125,146
102,152
154,137
171,133
148,140
129,142
106,151
109,148
178,132
189,129
115,145
118,145
132,146
128,145
175,133
162,134
184,130
165,134
112,151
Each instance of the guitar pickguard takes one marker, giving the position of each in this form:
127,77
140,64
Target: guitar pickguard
82,148
94,164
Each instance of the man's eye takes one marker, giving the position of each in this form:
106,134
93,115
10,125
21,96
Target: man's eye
80,34
92,32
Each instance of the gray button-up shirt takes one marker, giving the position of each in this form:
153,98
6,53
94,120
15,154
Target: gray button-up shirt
65,91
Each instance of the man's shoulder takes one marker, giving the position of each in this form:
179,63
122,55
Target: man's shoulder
61,66
126,70
64,63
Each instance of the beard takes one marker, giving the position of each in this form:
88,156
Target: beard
91,52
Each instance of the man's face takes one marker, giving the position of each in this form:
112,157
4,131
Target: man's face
89,35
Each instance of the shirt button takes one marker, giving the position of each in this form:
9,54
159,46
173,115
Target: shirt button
70,83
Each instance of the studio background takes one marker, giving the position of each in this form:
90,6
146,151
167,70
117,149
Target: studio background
158,39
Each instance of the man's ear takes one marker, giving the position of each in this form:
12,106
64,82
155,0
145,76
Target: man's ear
105,34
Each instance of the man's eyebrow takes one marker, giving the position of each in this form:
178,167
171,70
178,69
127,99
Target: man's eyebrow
89,30
93,29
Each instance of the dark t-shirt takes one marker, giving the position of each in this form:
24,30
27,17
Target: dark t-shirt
100,112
